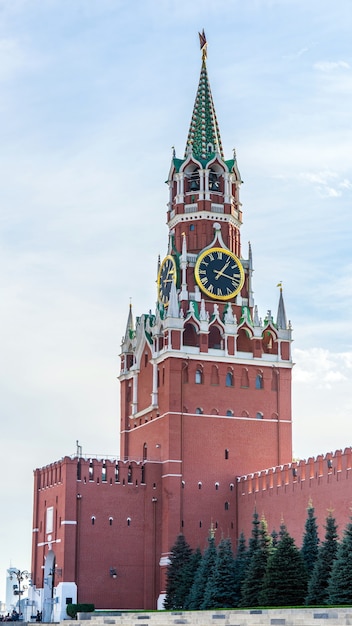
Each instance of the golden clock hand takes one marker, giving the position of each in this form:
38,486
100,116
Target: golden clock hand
221,272
231,277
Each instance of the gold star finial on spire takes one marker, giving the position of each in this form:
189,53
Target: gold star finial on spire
203,44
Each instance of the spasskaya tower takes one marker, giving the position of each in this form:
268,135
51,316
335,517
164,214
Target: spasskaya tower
205,409
205,382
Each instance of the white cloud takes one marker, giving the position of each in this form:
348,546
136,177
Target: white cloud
329,192
320,366
322,401
296,55
346,184
331,66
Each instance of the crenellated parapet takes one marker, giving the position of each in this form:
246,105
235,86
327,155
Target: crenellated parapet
326,466
94,471
325,481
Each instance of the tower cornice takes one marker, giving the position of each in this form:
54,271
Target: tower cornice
211,216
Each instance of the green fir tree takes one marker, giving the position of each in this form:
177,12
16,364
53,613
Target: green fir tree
285,580
253,580
310,543
190,573
241,563
319,580
274,538
177,581
253,546
219,592
204,572
340,583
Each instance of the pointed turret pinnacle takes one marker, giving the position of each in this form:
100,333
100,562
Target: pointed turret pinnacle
281,321
129,325
204,135
173,308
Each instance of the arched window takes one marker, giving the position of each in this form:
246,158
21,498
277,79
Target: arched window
199,410
214,183
229,379
129,475
216,486
214,380
214,338
194,181
274,380
110,521
226,453
259,383
259,415
93,518
190,336
243,341
129,521
214,412
244,378
229,413
227,506
199,376
199,485
145,451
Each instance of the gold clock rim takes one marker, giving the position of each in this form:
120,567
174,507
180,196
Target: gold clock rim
168,257
197,277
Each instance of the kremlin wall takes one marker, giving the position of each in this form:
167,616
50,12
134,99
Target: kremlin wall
283,493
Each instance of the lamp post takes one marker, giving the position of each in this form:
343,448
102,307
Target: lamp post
20,576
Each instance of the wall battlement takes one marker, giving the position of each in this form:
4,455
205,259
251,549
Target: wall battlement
93,471
324,481
322,468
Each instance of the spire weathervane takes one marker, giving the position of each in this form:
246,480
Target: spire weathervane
204,136
203,45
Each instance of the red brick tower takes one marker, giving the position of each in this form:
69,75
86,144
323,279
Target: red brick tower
205,383
205,399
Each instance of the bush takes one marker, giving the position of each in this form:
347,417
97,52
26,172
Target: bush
73,609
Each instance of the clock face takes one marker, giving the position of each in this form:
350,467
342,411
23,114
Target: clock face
219,273
167,275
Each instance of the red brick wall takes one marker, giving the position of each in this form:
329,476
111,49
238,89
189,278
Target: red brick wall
85,552
284,493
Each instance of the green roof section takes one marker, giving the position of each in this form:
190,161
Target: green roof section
204,135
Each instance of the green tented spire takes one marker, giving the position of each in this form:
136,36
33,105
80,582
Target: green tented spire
204,135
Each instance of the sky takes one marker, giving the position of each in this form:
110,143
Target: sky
93,95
